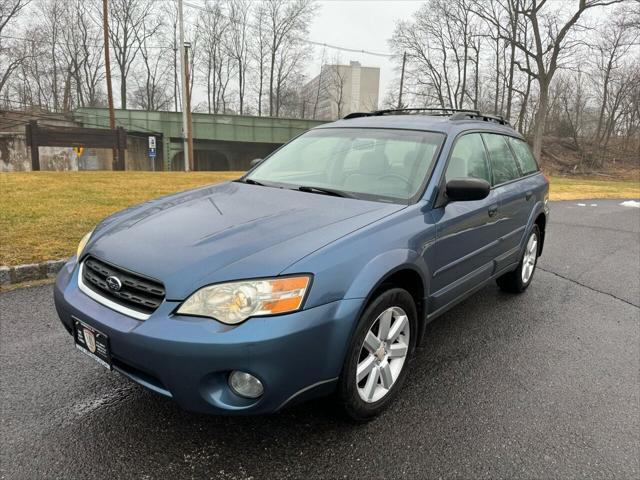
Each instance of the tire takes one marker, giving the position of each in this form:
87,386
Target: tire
362,400
518,280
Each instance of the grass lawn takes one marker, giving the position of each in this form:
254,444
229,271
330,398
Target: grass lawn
43,215
570,188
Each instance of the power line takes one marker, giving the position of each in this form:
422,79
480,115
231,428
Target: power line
352,50
303,40
204,9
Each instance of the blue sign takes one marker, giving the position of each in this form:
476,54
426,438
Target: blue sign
152,152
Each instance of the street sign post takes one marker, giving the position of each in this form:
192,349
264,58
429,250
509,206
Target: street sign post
152,150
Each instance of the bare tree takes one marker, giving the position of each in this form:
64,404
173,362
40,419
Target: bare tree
152,83
288,76
611,78
91,45
238,43
260,50
287,22
130,24
52,15
438,43
10,59
336,82
551,45
170,24
214,30
321,81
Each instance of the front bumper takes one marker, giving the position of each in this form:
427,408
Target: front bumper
296,356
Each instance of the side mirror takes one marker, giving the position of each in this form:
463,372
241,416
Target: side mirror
467,189
255,162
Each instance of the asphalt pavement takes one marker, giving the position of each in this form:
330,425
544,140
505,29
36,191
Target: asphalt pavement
541,385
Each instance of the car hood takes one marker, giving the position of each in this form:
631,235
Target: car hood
226,232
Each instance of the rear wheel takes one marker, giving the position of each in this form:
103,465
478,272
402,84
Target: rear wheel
376,362
518,280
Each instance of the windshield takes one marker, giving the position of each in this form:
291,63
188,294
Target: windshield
363,163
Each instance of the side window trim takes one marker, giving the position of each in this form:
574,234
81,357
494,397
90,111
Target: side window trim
488,159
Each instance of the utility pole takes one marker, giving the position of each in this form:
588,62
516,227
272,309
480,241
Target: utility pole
187,45
404,61
185,100
107,67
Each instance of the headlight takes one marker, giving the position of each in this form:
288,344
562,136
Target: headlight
83,243
234,302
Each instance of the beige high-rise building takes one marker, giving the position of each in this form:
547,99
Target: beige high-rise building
340,90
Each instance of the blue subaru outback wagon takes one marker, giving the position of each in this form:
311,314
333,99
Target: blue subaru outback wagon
317,271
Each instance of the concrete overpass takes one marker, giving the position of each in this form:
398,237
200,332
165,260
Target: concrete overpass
221,142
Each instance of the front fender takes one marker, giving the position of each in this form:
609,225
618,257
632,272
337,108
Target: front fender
381,267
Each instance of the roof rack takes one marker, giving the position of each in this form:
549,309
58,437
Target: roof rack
480,116
452,113
400,111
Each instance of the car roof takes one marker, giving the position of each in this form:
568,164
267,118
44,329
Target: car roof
434,123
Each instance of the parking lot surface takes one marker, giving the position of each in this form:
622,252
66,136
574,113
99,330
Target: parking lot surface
541,385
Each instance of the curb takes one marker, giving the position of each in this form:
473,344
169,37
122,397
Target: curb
30,271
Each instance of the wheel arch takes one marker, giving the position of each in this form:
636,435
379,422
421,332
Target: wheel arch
538,217
399,268
541,222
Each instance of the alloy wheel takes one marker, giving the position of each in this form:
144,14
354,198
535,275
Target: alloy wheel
530,257
383,354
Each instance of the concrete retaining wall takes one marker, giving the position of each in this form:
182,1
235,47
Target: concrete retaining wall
15,156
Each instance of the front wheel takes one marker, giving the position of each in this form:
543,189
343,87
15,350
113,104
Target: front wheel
518,280
376,363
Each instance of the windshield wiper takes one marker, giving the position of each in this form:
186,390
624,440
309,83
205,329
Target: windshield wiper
250,181
324,191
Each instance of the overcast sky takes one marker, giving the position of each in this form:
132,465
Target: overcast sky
360,25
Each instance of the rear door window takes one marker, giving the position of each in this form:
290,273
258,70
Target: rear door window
468,159
523,155
503,164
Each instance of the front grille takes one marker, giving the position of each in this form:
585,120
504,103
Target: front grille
137,292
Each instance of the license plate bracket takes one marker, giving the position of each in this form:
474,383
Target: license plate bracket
92,342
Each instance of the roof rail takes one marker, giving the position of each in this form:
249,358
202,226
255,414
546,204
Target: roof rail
480,116
400,111
452,113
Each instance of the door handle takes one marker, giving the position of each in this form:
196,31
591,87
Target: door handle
493,210
528,196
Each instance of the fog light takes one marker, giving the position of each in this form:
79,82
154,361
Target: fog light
245,384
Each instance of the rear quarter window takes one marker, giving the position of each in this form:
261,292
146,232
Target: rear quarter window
523,155
503,164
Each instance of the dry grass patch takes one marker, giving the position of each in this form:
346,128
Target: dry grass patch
571,188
